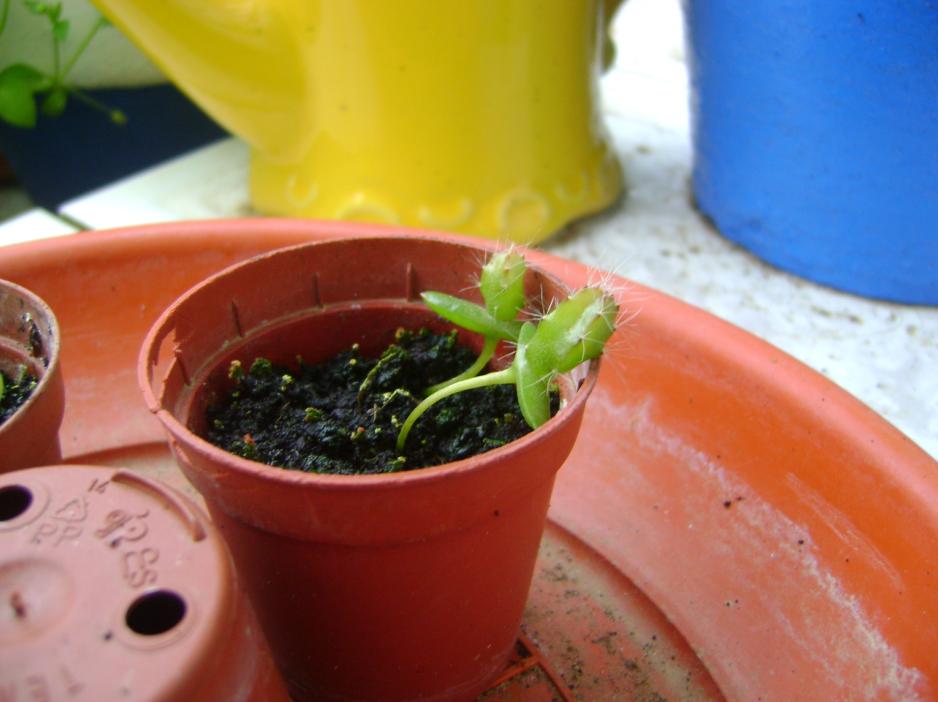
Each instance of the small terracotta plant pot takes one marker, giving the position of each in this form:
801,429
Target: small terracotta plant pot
114,587
399,586
29,335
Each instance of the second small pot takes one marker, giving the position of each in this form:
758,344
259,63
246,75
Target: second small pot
29,336
403,586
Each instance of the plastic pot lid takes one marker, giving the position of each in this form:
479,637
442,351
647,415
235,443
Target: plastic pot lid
114,586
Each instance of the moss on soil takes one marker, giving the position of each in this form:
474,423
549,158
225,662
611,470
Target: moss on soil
342,416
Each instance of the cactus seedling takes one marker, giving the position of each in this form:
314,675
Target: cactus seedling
352,412
502,286
574,332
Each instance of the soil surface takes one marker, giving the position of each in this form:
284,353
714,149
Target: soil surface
16,390
343,416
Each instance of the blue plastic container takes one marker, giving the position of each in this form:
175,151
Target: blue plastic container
815,127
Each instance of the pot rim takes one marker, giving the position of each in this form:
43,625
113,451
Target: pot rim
50,370
584,377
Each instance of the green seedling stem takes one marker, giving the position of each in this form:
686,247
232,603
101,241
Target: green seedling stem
488,350
480,381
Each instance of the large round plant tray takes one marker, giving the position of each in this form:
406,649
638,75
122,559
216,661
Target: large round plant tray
730,524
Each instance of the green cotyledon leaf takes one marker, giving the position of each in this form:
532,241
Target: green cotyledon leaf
470,316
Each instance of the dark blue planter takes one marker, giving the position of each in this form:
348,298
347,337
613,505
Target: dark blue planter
815,127
67,156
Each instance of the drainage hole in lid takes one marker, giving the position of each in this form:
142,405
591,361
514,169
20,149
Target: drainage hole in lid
155,613
14,500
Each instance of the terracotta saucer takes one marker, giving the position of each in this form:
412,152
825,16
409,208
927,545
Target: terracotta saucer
730,525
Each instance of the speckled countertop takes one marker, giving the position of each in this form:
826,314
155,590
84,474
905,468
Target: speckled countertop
884,354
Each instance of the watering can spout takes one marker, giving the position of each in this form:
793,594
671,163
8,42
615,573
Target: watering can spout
233,57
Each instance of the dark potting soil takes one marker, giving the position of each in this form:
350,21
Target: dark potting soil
16,390
343,415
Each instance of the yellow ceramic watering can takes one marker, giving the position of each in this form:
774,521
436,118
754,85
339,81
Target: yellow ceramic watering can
475,116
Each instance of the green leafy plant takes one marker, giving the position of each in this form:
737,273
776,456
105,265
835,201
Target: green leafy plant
25,90
573,332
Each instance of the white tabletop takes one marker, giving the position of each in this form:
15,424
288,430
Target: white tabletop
885,354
